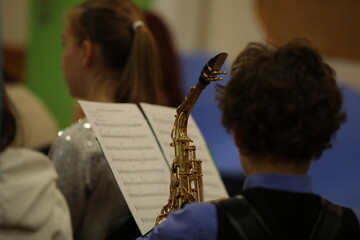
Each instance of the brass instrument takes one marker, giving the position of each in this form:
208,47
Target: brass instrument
186,174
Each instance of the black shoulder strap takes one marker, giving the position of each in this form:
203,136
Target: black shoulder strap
249,224
244,218
328,223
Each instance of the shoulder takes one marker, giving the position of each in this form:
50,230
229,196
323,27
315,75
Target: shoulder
343,220
77,131
25,169
19,161
79,137
195,213
194,221
30,199
350,225
24,173
196,208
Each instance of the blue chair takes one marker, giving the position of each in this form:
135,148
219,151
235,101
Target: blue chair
336,175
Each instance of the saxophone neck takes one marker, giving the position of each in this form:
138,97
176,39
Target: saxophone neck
208,74
187,105
183,114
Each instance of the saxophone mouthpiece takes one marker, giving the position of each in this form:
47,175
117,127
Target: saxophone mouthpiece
212,69
218,61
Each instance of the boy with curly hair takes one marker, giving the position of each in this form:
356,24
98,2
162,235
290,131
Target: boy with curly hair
283,106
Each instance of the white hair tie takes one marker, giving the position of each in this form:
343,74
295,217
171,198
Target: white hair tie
137,24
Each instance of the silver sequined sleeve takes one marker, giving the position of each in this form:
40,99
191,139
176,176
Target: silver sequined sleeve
86,181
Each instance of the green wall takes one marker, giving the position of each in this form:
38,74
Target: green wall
43,72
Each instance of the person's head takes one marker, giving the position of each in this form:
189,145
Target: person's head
8,121
107,48
281,101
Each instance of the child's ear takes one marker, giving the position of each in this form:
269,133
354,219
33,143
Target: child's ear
87,53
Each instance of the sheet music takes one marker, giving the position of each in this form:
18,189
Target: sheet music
134,156
162,119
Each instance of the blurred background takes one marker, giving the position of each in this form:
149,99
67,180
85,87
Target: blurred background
31,40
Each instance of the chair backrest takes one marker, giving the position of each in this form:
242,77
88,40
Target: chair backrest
336,174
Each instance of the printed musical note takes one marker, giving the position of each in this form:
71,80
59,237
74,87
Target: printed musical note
162,119
134,156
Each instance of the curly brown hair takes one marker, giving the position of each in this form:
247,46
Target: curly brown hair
282,101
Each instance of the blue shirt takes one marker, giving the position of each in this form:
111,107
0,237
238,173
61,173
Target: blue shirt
198,221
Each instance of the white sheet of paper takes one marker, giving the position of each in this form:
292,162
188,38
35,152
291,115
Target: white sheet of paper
162,119
134,156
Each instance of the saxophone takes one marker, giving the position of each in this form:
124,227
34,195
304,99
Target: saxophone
186,184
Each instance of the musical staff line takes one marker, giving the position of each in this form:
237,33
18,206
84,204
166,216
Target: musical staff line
135,159
124,136
137,148
111,110
148,219
159,120
117,124
211,184
130,183
148,207
154,194
136,171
